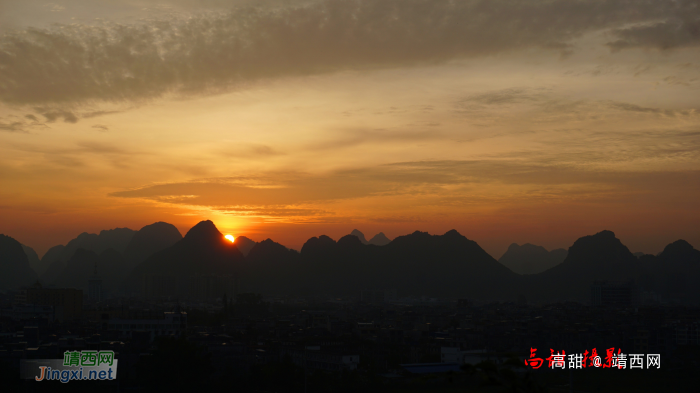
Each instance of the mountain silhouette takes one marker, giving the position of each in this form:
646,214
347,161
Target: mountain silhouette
57,257
531,259
54,254
680,254
318,247
14,265
244,244
81,266
349,242
268,251
203,251
269,268
448,265
359,235
674,273
379,239
120,250
417,264
599,257
34,261
149,240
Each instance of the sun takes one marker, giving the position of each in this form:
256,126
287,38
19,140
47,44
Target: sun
230,238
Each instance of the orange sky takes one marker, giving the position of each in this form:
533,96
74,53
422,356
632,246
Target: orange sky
541,124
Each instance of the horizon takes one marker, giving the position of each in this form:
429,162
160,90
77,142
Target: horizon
289,119
368,236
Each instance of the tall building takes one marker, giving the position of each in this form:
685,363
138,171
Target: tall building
67,302
95,287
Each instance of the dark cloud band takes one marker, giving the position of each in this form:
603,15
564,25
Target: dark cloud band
215,52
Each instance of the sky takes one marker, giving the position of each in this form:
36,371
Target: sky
509,121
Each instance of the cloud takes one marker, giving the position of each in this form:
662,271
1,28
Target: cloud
101,148
670,34
20,124
447,181
352,137
542,105
15,126
658,147
286,189
87,115
55,7
83,154
78,64
272,213
249,150
642,109
52,115
100,127
507,96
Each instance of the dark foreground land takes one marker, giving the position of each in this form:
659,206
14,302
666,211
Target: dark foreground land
339,345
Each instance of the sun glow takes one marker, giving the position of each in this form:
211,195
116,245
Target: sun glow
230,238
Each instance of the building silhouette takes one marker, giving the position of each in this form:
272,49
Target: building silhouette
95,293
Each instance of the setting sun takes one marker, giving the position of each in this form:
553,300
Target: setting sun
230,237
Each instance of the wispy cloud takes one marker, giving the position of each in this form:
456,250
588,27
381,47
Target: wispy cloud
23,124
436,185
100,127
677,32
15,126
249,150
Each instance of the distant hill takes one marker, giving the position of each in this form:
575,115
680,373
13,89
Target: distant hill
123,249
54,254
244,244
57,257
269,268
360,236
448,265
203,251
453,266
674,273
81,266
14,265
531,259
34,261
379,239
416,264
597,257
149,240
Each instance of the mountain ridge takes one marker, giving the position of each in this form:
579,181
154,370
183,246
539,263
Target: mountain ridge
448,265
